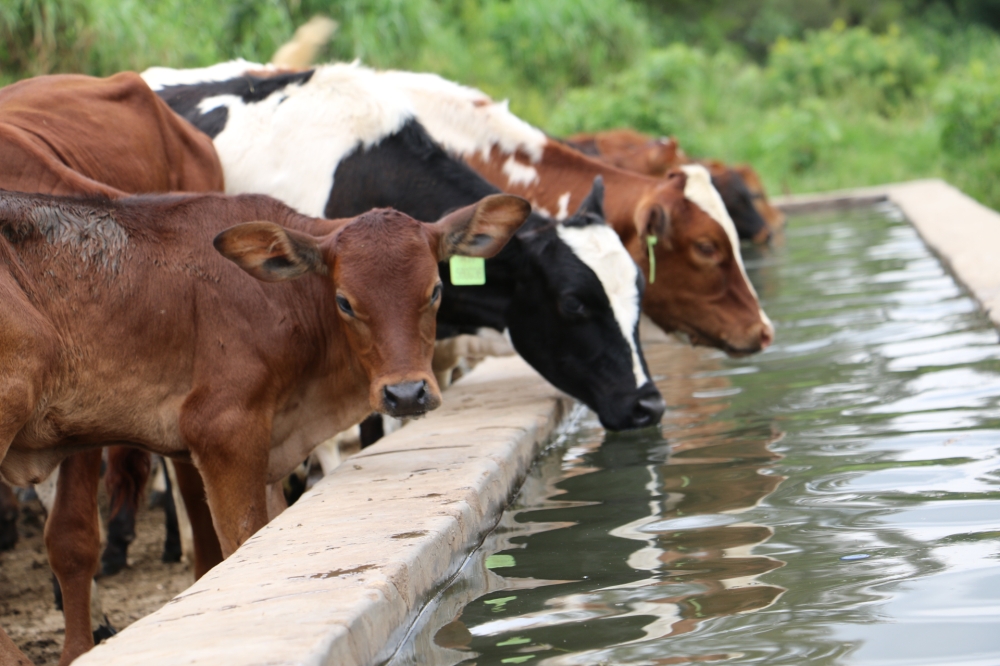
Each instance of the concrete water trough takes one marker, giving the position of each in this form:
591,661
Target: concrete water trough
341,575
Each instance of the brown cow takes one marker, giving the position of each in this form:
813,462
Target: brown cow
72,134
121,324
648,155
79,135
631,150
699,286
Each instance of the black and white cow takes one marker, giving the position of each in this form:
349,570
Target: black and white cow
332,142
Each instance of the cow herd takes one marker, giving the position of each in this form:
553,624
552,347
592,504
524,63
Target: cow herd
227,266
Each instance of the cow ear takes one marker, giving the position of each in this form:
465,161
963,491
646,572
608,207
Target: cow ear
653,220
676,179
271,253
592,207
479,230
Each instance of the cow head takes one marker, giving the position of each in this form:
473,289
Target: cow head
574,315
740,203
382,273
775,218
699,286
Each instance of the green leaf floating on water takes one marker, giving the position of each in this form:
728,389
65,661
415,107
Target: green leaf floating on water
517,640
498,604
499,561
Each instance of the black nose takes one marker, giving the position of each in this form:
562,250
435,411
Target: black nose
648,410
406,398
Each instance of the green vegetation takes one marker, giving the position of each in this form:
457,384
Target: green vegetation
817,94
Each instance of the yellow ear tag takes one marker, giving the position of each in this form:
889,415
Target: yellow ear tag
650,244
467,271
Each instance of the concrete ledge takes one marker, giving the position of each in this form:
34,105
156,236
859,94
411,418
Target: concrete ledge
340,576
964,233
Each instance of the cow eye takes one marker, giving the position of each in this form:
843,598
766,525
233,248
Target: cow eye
436,294
705,249
345,305
572,306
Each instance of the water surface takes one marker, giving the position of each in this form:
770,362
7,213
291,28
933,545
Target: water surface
835,500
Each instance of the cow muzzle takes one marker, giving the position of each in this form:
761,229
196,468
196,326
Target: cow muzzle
639,409
409,398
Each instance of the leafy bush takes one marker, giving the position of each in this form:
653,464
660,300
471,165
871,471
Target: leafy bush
884,71
667,91
802,133
383,33
969,106
562,43
40,36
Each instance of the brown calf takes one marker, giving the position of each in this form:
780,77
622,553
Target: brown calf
79,135
635,151
122,325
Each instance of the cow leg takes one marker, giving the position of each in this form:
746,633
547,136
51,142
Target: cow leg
276,502
121,533
207,551
125,479
9,511
236,494
173,547
9,654
73,539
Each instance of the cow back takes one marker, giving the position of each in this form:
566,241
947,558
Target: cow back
73,134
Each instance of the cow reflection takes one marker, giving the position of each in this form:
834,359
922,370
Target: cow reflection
696,543
683,552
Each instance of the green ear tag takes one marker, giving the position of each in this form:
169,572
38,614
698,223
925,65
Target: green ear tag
467,271
650,244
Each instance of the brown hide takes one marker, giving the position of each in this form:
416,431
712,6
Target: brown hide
705,297
635,151
72,134
632,151
79,135
125,325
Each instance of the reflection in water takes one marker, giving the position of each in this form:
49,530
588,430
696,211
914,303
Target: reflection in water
831,501
680,551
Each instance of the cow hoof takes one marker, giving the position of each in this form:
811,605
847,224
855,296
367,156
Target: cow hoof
113,560
157,499
8,536
170,555
104,631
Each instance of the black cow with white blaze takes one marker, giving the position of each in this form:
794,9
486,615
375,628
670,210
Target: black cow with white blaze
332,143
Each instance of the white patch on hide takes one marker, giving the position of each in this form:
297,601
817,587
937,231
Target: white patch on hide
519,174
289,144
465,120
158,78
700,191
598,246
563,211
